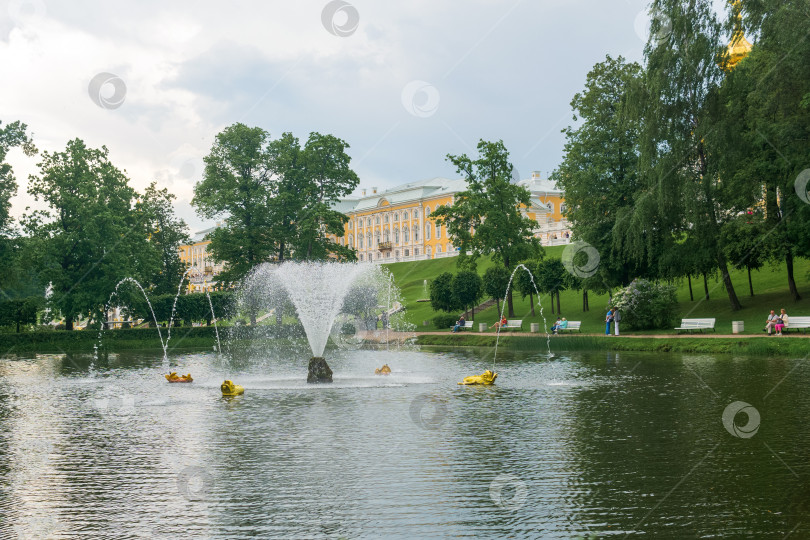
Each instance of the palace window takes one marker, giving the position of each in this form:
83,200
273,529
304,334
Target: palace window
407,253
550,206
415,233
427,231
396,216
361,256
396,236
385,236
438,231
404,215
438,249
385,219
377,220
405,234
368,222
427,211
416,252
563,208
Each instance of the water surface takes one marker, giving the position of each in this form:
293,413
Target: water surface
580,445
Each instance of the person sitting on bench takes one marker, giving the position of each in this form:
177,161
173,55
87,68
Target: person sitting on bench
773,318
459,324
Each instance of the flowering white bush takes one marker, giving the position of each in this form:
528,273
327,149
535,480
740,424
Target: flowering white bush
646,305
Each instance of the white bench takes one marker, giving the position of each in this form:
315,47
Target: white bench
797,323
572,325
514,323
696,324
468,325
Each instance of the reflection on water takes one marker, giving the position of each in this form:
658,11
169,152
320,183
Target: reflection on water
585,444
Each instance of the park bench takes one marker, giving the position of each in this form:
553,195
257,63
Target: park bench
512,324
798,323
696,324
572,325
468,325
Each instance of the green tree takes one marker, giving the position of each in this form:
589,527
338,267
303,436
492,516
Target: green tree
766,125
551,278
599,171
524,282
236,186
328,178
90,237
742,240
468,287
441,293
496,279
682,190
486,218
20,311
11,260
166,233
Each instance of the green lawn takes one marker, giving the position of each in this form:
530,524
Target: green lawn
770,292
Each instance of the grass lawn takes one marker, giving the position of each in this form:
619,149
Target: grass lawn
770,292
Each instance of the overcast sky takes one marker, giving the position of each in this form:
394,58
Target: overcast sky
404,83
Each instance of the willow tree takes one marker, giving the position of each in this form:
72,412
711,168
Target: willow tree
486,218
681,189
766,99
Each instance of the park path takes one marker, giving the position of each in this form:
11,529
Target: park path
668,336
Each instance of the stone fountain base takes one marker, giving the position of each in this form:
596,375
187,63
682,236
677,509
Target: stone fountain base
319,371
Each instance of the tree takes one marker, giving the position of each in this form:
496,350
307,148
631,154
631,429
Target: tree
327,179
441,293
89,239
599,171
496,279
551,279
236,185
742,240
166,233
20,311
766,106
11,136
467,289
681,189
486,218
525,282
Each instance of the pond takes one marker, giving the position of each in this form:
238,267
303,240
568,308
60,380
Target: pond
581,445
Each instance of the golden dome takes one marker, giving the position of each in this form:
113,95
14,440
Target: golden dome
739,46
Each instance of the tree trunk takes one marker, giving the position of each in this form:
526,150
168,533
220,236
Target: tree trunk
732,296
691,296
552,302
794,292
498,306
18,326
253,319
69,322
531,303
705,286
750,285
510,304
559,311
585,306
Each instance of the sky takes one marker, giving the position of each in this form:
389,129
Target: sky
403,83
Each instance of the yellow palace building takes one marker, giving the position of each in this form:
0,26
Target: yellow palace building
396,224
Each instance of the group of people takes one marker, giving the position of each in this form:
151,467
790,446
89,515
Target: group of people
561,324
777,322
613,316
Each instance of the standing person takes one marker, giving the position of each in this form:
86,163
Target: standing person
616,318
773,318
782,323
608,320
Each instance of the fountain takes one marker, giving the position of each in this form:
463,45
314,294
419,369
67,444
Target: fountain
319,291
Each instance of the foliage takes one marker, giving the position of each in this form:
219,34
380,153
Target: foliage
599,185
441,293
166,233
486,218
444,321
90,238
496,279
468,287
646,305
20,311
361,301
190,308
236,185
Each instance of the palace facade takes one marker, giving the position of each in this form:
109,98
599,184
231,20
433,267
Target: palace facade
203,267
396,224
